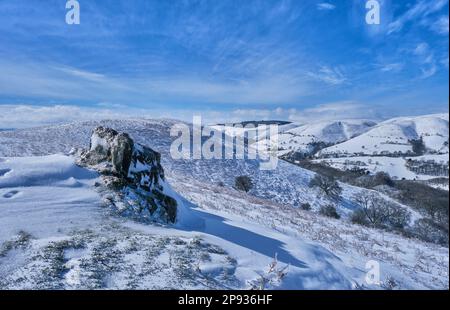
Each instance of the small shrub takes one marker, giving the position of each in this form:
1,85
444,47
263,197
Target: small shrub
305,206
430,231
243,183
328,185
359,217
382,178
390,284
329,211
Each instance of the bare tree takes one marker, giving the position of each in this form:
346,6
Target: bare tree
378,212
328,185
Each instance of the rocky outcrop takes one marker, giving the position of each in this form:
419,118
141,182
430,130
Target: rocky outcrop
134,174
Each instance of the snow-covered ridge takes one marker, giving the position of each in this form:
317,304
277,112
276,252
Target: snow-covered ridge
393,137
286,184
413,148
301,139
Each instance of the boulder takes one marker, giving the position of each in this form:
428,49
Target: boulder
121,153
134,172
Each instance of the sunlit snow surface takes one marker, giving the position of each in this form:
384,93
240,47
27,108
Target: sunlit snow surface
52,199
56,232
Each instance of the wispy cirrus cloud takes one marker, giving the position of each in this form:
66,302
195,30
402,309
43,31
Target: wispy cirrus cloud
90,76
391,67
426,59
325,6
440,26
329,75
334,111
227,56
68,83
417,13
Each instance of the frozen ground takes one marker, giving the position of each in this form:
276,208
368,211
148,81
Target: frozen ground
287,184
56,232
395,166
394,135
300,137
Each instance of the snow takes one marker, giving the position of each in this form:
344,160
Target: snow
223,239
286,184
49,208
46,196
386,147
343,245
393,135
98,142
298,137
395,166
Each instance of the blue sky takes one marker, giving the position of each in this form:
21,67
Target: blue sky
226,59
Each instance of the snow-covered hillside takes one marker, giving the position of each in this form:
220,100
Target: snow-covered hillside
393,137
286,184
57,233
236,237
302,138
397,167
389,147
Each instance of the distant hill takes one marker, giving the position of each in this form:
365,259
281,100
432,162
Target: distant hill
255,123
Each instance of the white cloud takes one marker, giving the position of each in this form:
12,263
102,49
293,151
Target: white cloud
33,80
417,13
90,76
25,116
333,111
421,49
392,67
324,112
441,25
426,60
22,116
325,6
333,76
428,71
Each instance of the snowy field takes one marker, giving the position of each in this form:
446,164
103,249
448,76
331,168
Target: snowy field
395,166
57,233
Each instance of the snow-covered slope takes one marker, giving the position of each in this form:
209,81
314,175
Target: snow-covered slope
393,137
397,167
389,147
302,138
57,233
46,194
286,184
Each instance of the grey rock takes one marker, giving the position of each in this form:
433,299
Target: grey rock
130,170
